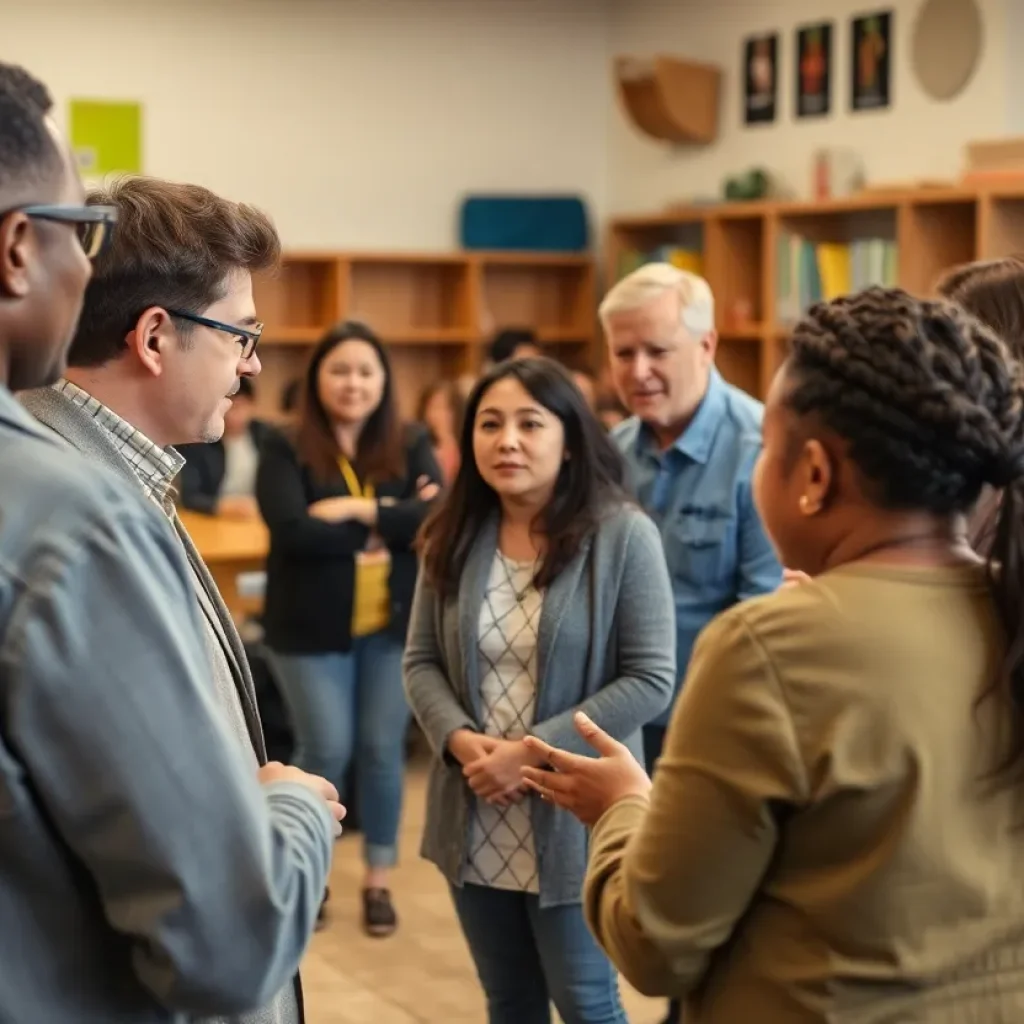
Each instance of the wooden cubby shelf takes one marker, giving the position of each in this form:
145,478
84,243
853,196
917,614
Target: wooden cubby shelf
435,311
767,261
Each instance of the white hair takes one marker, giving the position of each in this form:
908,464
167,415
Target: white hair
652,280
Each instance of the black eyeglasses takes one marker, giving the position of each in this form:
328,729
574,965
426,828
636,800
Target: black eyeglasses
247,337
94,225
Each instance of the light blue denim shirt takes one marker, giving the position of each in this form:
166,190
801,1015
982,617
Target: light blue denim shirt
698,493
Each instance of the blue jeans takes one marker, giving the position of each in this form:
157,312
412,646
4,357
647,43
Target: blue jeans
527,958
341,704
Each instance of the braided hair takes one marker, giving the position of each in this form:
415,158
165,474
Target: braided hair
931,405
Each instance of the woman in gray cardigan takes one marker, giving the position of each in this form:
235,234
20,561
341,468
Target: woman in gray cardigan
543,590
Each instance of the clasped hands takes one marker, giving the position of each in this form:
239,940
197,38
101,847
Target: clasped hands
493,766
364,510
501,771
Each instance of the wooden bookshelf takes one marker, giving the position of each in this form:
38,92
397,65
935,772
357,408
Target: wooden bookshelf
740,248
435,311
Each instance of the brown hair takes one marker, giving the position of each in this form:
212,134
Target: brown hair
380,452
454,398
174,246
992,291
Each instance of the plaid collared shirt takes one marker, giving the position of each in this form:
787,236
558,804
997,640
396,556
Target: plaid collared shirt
155,467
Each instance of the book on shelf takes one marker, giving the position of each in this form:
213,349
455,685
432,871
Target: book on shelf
684,259
810,272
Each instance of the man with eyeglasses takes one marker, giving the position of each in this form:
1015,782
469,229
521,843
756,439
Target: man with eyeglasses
149,871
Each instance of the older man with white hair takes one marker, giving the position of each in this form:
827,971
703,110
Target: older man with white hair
691,445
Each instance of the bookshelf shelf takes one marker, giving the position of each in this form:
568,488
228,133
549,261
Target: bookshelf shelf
435,311
767,261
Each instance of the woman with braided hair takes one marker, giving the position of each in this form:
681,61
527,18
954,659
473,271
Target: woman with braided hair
835,831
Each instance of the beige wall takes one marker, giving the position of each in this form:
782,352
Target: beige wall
356,123
916,137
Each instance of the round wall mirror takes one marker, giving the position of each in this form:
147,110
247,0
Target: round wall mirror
946,46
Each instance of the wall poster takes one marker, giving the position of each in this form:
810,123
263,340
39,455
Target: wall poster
760,63
871,61
814,70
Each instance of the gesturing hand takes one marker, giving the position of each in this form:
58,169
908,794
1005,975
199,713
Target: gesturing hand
497,776
586,786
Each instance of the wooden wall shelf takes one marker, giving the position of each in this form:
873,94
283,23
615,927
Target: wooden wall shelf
761,258
669,99
435,311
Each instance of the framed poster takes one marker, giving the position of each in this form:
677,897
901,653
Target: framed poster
871,61
814,70
760,64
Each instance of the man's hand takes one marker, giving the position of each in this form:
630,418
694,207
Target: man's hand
586,786
337,510
274,771
238,506
497,776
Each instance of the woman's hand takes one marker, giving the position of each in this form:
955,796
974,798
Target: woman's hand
497,776
586,786
791,577
466,745
337,510
426,489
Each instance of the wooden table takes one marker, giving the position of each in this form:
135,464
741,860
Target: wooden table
230,547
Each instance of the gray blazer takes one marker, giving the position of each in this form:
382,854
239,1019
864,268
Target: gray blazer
145,874
606,646
80,430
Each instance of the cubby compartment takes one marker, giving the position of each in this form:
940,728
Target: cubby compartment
300,298
555,298
821,254
411,300
935,236
735,258
1003,216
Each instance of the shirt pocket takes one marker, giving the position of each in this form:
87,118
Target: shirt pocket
699,545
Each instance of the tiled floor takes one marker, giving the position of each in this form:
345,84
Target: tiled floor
423,974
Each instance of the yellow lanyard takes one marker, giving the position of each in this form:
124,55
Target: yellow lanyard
352,481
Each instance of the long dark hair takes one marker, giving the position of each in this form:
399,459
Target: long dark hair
589,483
380,452
931,404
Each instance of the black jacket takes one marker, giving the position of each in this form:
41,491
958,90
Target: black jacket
205,464
311,565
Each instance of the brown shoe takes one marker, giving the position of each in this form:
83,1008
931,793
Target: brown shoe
379,917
